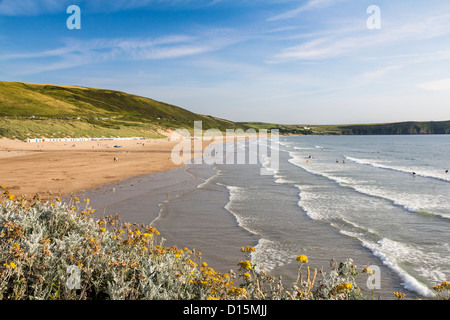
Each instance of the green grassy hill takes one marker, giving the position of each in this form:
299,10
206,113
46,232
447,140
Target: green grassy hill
29,110
39,110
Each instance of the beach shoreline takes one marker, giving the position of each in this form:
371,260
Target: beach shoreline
69,167
64,168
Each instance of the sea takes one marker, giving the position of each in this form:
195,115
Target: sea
381,201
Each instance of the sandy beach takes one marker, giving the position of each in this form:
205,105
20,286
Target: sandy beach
69,167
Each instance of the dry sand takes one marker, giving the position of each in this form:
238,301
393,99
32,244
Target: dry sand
69,167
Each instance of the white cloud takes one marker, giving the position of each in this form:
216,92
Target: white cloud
76,52
332,43
311,4
439,85
36,7
32,7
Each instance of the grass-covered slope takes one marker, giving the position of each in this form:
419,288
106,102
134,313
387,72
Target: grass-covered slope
40,110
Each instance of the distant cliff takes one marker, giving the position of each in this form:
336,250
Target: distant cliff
432,127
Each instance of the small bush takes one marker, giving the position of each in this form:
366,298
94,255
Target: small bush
56,250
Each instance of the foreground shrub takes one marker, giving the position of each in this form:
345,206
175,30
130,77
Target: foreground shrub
58,251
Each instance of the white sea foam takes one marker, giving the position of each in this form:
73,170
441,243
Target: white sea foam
237,194
419,171
390,252
414,203
203,184
270,255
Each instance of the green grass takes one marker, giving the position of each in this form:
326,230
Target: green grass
36,110
40,110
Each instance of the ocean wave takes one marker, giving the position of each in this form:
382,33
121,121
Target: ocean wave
390,252
236,194
418,171
400,200
206,181
270,255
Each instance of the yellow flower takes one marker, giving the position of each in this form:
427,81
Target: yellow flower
103,230
12,265
347,285
87,200
247,249
368,270
247,275
76,199
204,264
399,295
11,196
245,264
137,232
302,258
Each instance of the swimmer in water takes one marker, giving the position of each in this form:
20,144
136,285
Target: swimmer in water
446,171
414,173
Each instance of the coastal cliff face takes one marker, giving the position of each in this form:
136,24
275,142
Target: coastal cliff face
442,127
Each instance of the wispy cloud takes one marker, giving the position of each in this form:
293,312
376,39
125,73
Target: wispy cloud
349,41
76,52
310,5
437,86
32,7
36,7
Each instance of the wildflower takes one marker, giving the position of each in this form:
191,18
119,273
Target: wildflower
121,231
103,230
87,201
399,295
302,258
245,264
76,199
204,264
10,196
368,270
248,248
11,265
147,235
247,275
137,232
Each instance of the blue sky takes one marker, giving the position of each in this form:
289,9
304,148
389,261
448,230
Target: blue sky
283,61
